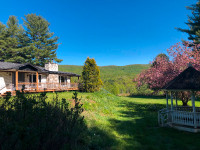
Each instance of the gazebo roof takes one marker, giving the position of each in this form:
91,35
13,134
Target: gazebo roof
187,80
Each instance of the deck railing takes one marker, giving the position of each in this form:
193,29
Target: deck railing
47,86
180,116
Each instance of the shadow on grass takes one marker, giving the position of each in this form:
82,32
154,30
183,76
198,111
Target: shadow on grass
140,130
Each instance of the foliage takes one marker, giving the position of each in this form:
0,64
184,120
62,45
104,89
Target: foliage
90,77
164,71
193,23
162,56
116,79
30,122
36,44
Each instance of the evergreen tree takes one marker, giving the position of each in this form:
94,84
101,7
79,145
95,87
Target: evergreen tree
11,49
42,44
193,23
90,78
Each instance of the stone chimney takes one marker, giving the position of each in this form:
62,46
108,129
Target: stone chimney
52,78
51,66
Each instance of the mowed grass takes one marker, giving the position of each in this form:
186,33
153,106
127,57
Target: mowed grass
129,123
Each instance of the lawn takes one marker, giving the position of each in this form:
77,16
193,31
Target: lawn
129,123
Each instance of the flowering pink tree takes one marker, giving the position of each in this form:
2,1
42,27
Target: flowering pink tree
165,70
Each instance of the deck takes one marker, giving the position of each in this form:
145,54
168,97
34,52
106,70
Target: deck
41,87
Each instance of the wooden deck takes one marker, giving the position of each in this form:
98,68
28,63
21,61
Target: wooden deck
41,87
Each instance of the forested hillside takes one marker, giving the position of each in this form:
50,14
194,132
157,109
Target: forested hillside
116,79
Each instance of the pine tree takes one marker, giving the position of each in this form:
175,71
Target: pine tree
10,37
42,44
90,78
193,23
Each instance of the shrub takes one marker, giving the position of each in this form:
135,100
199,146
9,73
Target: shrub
29,122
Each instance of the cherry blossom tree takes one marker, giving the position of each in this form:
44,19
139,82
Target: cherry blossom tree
164,70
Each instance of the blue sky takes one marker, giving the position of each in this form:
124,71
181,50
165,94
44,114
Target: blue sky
114,32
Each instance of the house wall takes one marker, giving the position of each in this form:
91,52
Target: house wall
6,78
53,78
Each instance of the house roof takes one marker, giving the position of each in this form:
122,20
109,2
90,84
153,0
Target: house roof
28,66
187,80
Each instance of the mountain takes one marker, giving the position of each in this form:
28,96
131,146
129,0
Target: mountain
116,79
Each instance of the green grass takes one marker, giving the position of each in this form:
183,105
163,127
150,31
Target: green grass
129,123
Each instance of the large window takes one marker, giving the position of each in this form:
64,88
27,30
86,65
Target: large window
32,78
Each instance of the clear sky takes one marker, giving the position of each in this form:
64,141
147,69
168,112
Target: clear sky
114,32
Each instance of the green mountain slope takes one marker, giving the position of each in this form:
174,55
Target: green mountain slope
116,79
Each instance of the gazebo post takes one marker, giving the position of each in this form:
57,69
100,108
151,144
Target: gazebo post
167,100
176,100
193,106
172,100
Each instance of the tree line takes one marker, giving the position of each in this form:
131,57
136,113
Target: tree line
30,42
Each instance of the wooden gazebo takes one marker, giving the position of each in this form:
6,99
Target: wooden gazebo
182,117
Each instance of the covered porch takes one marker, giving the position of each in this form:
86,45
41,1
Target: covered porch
185,118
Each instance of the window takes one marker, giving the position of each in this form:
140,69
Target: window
32,78
40,78
21,77
61,79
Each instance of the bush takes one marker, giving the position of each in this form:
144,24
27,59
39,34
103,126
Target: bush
29,122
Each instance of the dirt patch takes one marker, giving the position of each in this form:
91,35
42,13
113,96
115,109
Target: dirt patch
92,102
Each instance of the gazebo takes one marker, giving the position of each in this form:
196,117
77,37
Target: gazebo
182,117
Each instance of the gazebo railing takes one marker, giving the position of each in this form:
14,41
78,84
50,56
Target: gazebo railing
186,108
163,117
185,117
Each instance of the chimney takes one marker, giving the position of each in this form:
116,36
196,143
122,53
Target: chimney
51,66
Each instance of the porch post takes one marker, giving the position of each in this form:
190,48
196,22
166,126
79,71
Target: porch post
193,106
172,100
16,79
167,99
36,81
